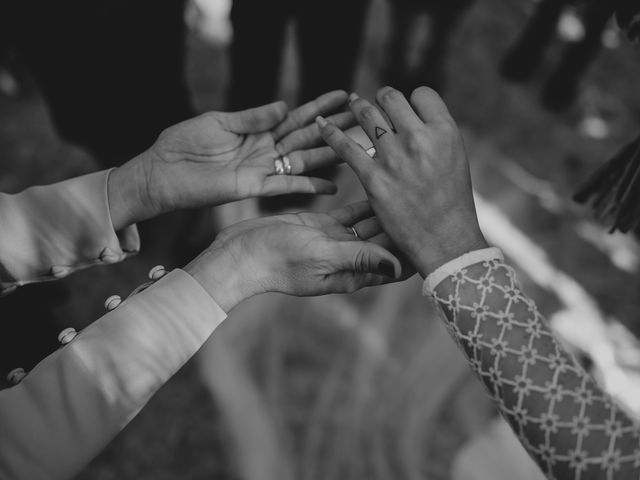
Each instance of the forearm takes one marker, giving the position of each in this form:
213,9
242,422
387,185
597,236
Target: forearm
564,420
50,231
74,402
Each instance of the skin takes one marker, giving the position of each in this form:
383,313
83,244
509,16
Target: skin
420,170
297,254
420,190
218,157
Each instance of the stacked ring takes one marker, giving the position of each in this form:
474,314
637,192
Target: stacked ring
282,165
287,165
279,166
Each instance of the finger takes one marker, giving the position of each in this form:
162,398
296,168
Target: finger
429,106
348,282
382,239
303,115
284,184
308,160
366,257
352,213
310,136
368,228
372,122
347,149
255,120
396,106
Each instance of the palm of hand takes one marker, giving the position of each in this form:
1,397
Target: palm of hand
199,159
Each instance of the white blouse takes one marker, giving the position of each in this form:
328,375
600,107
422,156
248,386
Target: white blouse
74,402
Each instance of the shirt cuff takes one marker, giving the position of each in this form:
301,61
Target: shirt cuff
54,230
450,268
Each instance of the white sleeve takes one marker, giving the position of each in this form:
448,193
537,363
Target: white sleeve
50,231
76,400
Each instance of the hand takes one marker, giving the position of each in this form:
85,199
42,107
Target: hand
418,182
298,254
218,157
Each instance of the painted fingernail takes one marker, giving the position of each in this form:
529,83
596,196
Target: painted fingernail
321,121
386,268
353,97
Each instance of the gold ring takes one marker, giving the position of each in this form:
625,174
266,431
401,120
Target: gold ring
355,232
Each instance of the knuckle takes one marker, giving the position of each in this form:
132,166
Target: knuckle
360,261
448,126
329,132
368,113
351,148
388,94
375,181
416,141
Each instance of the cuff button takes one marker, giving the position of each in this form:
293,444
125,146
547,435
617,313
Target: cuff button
16,375
66,335
112,302
157,272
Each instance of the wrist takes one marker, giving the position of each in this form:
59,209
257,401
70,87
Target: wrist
427,259
128,194
222,278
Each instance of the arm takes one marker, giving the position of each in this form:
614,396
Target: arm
51,231
75,401
562,417
420,189
215,158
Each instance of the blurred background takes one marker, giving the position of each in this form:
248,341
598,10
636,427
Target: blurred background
338,387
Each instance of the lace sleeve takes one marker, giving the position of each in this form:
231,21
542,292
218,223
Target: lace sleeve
570,427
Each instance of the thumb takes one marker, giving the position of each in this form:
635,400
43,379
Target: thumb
367,257
255,120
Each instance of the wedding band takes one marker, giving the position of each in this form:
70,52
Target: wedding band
279,166
355,232
287,165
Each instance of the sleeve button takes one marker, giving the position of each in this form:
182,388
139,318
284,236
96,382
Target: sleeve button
16,375
66,335
157,272
112,302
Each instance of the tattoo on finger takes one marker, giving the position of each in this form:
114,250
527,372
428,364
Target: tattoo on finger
380,132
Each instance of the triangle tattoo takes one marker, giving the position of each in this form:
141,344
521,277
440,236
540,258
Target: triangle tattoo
379,132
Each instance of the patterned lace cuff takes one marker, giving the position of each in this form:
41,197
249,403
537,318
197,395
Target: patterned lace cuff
470,258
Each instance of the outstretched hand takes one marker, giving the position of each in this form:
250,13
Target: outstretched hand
218,157
298,254
418,183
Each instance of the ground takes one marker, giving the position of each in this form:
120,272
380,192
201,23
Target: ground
370,386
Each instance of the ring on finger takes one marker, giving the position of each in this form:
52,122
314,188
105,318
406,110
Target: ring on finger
287,165
355,232
279,166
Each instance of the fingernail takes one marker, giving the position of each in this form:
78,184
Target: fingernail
386,268
321,121
353,97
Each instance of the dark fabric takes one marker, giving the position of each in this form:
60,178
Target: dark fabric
328,34
111,72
